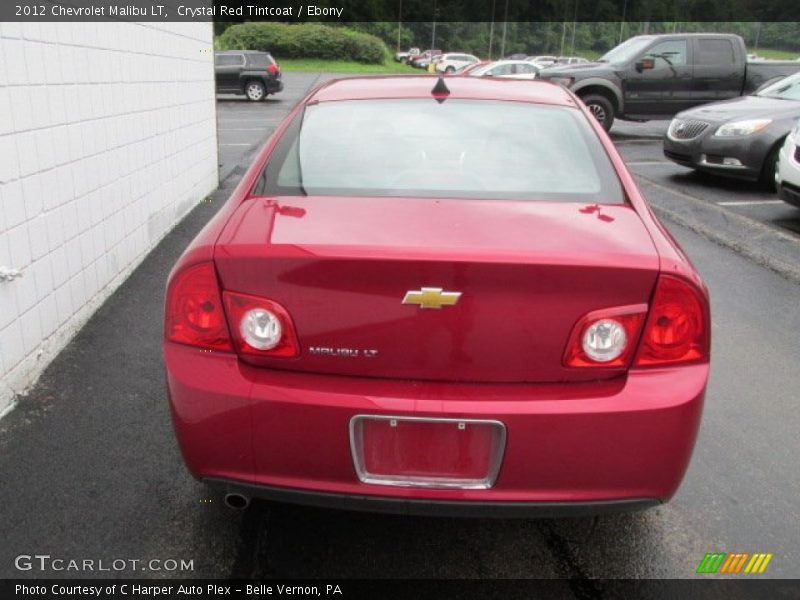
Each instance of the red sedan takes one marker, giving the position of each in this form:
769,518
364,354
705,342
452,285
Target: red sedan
438,297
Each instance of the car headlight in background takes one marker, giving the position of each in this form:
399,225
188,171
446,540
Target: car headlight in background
565,81
739,128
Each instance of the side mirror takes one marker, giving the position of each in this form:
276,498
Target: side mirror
645,64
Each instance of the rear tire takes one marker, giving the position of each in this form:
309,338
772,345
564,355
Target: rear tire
770,170
450,70
255,91
602,109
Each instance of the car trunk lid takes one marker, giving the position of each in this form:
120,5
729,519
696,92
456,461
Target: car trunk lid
526,272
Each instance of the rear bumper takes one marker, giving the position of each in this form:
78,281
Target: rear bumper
432,508
284,435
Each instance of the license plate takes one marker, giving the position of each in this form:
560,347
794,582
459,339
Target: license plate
427,452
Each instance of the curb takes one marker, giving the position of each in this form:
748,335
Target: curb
764,245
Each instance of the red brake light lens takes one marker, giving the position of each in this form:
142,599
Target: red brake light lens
621,325
273,69
677,329
194,314
260,327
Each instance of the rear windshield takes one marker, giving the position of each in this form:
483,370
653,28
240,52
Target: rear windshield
456,149
260,60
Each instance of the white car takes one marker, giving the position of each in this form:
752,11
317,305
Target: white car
543,61
452,62
787,176
510,69
404,57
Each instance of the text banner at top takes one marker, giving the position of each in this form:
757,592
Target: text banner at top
399,10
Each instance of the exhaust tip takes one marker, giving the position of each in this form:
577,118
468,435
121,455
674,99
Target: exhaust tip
236,501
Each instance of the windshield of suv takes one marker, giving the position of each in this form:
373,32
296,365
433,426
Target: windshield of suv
787,88
457,149
626,51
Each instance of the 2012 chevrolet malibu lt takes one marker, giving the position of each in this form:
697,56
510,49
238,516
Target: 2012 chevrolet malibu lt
442,297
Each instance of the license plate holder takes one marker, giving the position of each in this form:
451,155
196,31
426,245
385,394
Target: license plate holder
427,452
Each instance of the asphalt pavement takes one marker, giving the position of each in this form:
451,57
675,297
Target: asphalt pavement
90,468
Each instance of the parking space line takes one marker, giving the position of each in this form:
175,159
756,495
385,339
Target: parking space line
242,128
749,202
235,144
643,163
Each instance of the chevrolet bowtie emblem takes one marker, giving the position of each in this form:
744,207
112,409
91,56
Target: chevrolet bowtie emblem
431,297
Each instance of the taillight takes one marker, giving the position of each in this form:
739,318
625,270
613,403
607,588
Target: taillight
677,328
605,338
273,69
260,327
194,313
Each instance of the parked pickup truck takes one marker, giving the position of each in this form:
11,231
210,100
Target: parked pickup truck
656,76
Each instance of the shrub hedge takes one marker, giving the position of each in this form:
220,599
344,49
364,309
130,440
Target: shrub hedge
307,40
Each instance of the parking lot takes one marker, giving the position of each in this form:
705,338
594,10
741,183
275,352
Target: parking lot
642,151
90,467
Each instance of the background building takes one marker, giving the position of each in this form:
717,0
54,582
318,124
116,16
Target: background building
107,139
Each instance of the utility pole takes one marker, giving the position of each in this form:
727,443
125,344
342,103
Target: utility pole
622,22
399,23
758,36
574,27
433,30
505,24
491,30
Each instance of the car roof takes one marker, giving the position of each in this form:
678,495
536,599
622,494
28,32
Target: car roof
510,61
653,36
222,52
420,86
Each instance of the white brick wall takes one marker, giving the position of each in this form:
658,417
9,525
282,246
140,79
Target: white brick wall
107,139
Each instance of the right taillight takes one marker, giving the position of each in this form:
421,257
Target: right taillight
677,327
273,69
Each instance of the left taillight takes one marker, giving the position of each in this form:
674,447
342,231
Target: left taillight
273,69
194,314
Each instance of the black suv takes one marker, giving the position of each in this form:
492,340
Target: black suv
254,74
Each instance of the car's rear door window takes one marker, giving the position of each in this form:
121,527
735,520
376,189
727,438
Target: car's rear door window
715,52
456,149
229,60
